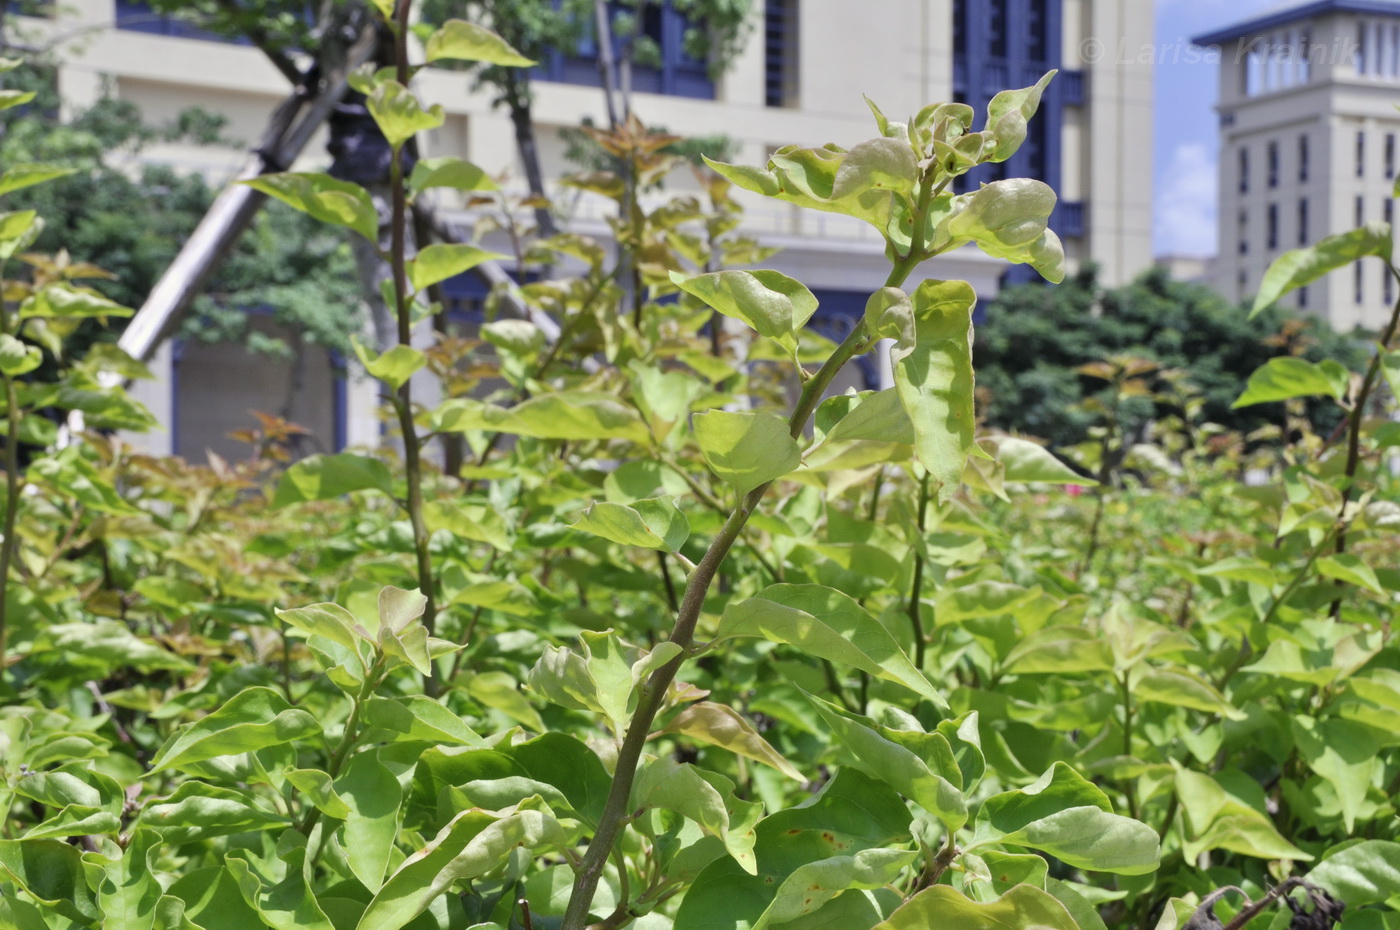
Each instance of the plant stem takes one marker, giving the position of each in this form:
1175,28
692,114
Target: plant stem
653,693
403,399
916,619
7,548
1129,788
1355,422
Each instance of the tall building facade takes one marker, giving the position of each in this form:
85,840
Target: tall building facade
800,78
1308,146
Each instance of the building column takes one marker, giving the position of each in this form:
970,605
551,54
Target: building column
158,396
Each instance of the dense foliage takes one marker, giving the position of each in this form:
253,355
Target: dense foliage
694,645
1033,340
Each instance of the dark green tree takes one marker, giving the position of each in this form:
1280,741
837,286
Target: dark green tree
130,218
1034,337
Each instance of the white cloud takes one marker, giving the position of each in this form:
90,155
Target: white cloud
1185,215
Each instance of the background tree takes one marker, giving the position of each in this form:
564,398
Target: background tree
1033,339
129,217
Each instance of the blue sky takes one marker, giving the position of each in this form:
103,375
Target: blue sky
1186,138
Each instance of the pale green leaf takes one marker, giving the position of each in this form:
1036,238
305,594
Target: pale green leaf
18,177
723,726
324,198
474,843
443,260
63,301
825,623
1288,377
464,41
372,794
932,361
650,524
775,305
1301,267
747,449
1022,908
394,366
252,719
323,477
399,113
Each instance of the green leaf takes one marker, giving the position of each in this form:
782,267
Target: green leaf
1345,754
825,623
214,901
62,301
108,643
775,305
464,41
650,524
1072,820
447,171
1350,569
76,820
288,904
925,771
1007,220
1219,820
1060,650
323,477
1022,908
399,113
329,620
18,230
417,718
394,366
849,815
879,164
704,797
18,177
443,260
252,719
1007,116
318,789
1301,267
1362,874
198,811
746,449
324,198
51,872
127,890
474,843
1032,463
1183,689
1287,377
877,415
723,726
569,415
932,361
373,795
14,98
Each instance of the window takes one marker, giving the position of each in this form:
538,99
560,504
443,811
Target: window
1244,170
1303,237
1303,296
1360,276
1389,156
1272,235
1303,158
675,73
1387,285
1038,48
1244,232
1273,165
780,51
997,28
1360,211
1361,154
1388,210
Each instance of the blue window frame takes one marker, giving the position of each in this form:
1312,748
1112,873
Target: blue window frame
1012,43
678,76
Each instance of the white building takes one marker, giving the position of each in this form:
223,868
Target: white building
1308,146
800,79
